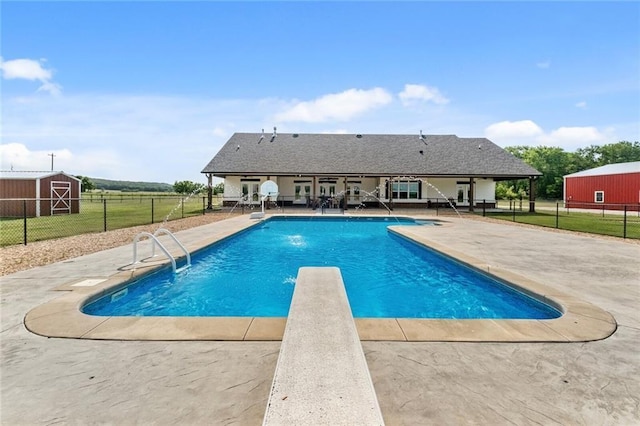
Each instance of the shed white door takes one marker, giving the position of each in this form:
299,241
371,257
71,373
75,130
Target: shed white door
60,197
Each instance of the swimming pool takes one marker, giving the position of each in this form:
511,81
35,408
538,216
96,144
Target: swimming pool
386,276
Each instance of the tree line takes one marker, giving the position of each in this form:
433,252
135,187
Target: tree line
185,187
554,163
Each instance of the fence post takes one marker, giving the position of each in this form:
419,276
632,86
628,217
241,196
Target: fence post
514,210
104,214
557,213
152,210
24,216
182,205
624,226
484,208
203,207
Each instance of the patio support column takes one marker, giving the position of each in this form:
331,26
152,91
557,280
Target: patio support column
209,191
344,202
532,194
313,189
472,193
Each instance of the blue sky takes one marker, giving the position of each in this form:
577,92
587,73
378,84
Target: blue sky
151,90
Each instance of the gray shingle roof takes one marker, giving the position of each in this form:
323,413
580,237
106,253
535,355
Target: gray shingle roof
372,155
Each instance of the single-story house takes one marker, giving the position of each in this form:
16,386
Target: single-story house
36,194
613,185
366,169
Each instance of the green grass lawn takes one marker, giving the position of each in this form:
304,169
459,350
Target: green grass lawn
595,223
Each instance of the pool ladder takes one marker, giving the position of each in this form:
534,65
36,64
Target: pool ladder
156,241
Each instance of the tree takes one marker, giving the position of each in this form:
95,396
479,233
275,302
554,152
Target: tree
506,191
621,152
86,184
218,189
552,162
188,187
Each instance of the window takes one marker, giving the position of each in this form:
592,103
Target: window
598,197
406,190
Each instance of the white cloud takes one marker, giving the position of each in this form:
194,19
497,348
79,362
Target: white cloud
341,106
29,69
526,132
571,138
418,92
507,130
582,105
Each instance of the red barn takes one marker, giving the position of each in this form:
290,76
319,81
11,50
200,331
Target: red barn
613,186
46,193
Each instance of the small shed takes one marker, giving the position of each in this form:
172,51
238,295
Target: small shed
613,185
38,193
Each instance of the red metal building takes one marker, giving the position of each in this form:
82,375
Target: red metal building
38,193
611,186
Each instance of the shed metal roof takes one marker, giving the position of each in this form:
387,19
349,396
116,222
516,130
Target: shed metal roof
367,154
30,174
609,169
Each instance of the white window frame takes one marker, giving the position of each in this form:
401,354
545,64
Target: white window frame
404,189
595,197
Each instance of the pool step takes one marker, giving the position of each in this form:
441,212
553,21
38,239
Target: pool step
322,377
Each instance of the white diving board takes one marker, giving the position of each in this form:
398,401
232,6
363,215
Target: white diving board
321,377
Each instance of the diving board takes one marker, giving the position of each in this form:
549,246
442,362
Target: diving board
321,377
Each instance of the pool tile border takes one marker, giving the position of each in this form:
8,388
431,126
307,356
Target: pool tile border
62,317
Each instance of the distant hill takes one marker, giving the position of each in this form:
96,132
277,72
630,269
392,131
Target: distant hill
128,186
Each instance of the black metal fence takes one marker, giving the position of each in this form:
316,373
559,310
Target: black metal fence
618,220
28,220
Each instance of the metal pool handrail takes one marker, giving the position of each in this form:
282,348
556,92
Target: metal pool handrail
154,238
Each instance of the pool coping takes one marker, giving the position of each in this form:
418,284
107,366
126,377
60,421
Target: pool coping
61,317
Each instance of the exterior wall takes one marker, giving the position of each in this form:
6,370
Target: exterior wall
367,191
18,188
441,188
13,191
617,189
485,190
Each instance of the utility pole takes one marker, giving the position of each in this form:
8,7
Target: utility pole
51,155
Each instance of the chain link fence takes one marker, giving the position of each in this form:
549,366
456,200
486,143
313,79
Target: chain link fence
617,220
27,220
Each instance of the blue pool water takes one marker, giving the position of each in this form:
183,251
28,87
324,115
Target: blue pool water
254,272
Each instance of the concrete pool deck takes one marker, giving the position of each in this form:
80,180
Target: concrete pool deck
47,380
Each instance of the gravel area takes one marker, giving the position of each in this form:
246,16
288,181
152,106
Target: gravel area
19,258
